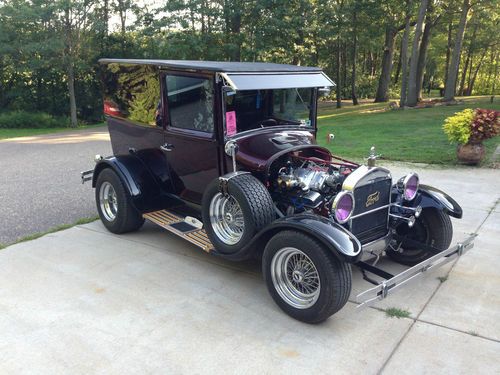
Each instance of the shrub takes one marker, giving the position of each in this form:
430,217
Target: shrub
457,127
37,120
485,125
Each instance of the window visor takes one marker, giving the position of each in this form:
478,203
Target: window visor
269,81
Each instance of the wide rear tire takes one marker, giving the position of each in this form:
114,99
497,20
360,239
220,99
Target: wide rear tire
114,204
305,279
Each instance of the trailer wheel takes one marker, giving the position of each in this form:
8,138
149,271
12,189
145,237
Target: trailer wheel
433,227
303,278
113,204
232,219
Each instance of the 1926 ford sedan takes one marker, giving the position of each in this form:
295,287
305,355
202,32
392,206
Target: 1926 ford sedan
223,154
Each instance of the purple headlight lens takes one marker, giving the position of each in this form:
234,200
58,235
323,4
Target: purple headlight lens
344,207
411,188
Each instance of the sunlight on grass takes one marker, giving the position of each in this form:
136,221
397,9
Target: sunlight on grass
413,135
15,133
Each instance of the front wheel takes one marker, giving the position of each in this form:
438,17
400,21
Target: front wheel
433,227
303,278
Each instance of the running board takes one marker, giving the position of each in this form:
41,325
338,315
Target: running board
185,227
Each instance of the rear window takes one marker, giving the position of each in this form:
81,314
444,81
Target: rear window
132,92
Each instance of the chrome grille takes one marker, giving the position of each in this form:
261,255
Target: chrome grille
372,194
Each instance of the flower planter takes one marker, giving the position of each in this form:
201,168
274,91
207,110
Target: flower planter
470,153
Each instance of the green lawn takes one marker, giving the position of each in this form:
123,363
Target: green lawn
413,135
14,133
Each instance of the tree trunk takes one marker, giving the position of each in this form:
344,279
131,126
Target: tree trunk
448,49
71,91
68,60
339,84
451,79
404,55
473,80
385,75
461,86
398,67
493,86
344,69
466,90
493,59
412,80
354,55
422,55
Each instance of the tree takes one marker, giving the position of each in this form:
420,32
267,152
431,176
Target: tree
354,52
74,22
412,79
404,57
451,79
430,23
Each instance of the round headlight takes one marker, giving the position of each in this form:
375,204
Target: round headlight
410,186
343,206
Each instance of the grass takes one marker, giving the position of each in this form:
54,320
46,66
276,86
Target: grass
442,278
394,312
58,228
413,135
14,133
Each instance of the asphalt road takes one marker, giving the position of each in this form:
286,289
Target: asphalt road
40,185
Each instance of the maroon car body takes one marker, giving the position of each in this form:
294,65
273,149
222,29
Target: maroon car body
224,154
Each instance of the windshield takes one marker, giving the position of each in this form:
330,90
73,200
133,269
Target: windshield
254,109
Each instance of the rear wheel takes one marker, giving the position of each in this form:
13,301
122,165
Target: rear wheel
303,278
113,204
433,227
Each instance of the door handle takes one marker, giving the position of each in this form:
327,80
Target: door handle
167,147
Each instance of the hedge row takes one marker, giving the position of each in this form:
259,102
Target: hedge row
35,120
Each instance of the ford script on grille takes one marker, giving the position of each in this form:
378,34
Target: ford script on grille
372,198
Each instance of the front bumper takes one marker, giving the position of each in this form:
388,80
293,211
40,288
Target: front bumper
391,284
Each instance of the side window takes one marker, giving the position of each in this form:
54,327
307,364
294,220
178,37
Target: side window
132,92
190,103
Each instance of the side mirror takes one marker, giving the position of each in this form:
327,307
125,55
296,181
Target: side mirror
324,91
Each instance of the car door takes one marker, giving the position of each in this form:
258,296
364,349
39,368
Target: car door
133,106
190,143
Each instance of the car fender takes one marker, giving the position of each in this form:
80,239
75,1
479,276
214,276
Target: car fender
140,184
429,196
338,240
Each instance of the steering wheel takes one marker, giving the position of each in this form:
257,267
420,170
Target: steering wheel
268,122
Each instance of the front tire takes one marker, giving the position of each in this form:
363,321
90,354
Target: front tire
114,204
303,278
433,227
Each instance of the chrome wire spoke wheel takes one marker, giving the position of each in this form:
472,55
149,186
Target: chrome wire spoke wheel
295,278
226,218
108,201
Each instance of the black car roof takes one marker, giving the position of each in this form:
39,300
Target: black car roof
216,66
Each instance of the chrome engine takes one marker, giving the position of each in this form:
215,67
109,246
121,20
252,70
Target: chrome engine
311,177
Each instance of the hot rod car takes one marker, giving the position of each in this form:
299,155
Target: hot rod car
223,154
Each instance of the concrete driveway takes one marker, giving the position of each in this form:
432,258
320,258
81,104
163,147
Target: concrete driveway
40,180
87,301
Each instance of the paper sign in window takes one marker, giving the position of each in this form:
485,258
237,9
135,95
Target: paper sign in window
231,123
